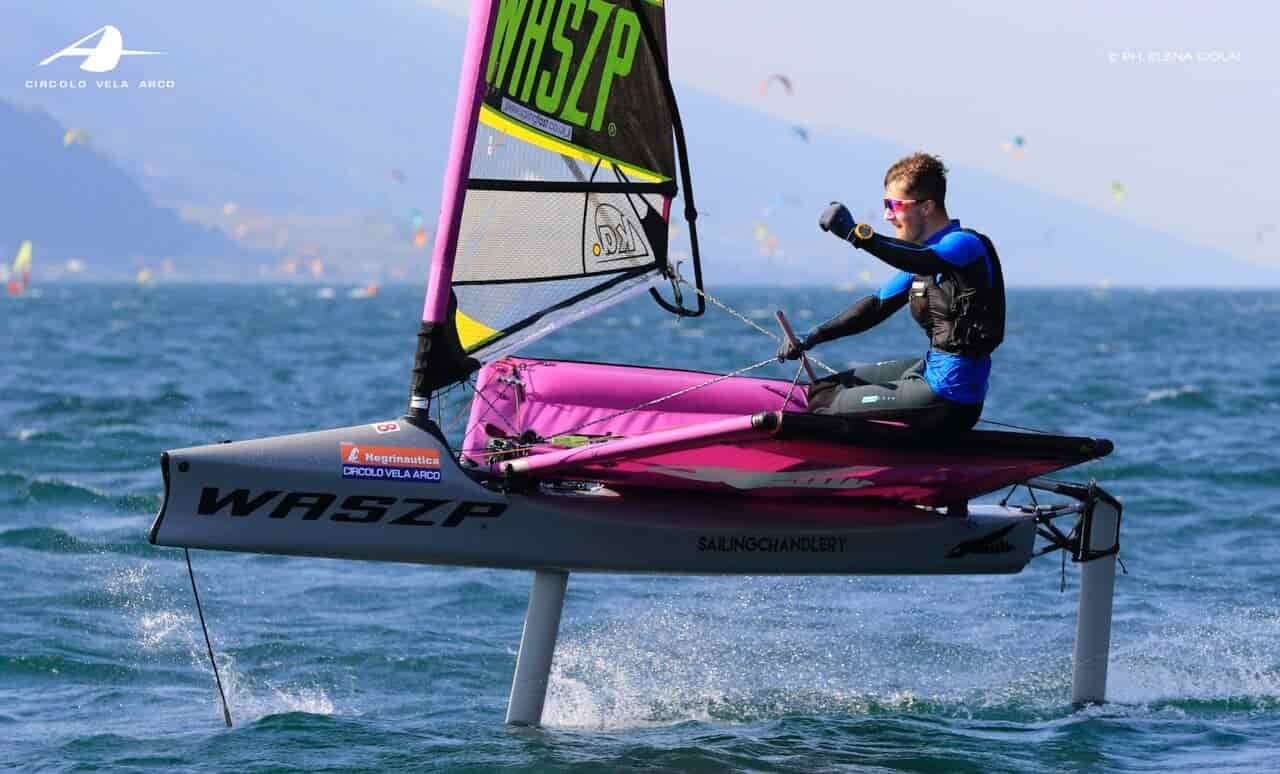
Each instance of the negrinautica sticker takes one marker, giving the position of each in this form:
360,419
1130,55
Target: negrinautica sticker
390,463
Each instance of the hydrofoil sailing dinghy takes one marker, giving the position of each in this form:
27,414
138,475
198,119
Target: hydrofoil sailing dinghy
566,148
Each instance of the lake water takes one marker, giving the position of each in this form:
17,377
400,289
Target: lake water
342,666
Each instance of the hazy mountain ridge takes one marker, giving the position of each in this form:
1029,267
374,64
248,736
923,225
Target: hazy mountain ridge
73,202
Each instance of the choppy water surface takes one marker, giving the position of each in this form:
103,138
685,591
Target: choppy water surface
345,666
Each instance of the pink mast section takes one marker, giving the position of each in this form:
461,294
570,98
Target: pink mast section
471,86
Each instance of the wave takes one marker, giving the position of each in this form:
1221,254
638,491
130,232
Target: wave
1222,662
36,435
1187,393
58,492
163,630
57,666
252,699
129,406
56,541
676,664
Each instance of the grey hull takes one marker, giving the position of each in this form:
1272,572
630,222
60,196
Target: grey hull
302,495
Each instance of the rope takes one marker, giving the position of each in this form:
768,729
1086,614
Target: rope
465,407
669,396
747,320
226,711
1015,427
439,410
623,412
678,280
812,359
787,400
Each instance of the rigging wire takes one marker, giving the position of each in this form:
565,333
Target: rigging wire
623,412
812,359
678,279
463,408
747,320
746,369
787,400
669,396
440,411
1015,427
471,382
708,297
226,711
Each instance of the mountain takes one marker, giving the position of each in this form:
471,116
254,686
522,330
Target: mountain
72,202
750,167
328,111
275,106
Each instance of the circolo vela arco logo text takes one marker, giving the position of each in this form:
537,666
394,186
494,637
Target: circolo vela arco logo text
102,56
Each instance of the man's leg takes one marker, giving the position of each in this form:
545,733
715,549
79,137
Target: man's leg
879,373
907,399
895,399
825,390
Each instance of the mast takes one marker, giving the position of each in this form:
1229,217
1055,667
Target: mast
439,358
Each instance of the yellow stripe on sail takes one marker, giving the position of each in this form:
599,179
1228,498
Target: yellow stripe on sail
23,262
496,120
472,333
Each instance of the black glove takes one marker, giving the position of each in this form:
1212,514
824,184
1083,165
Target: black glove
838,220
789,351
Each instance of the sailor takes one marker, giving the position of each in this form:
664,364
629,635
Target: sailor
951,278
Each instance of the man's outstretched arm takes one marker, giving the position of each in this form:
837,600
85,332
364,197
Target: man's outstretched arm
953,250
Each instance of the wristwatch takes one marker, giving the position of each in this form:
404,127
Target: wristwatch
863,232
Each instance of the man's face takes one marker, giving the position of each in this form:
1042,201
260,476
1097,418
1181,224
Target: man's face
908,220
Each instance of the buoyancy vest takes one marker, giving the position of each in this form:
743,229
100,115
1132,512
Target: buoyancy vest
962,309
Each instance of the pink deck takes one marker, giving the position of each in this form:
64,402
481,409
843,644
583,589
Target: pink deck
554,397
550,398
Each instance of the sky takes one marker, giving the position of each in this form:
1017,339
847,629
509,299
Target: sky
1178,101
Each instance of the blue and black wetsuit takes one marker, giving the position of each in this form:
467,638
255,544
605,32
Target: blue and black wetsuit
955,287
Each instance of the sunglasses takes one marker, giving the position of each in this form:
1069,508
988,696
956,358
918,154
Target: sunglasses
898,205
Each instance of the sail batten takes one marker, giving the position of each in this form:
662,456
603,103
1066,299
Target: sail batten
543,186
547,320
533,136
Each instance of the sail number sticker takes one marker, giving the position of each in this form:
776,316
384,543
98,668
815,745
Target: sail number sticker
390,463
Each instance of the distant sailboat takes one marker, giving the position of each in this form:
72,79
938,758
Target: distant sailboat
19,277
368,291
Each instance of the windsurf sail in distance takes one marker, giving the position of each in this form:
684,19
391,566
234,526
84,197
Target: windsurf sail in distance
20,275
